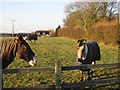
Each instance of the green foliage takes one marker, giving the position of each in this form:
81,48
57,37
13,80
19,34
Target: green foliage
51,49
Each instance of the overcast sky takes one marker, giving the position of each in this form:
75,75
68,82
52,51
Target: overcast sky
32,15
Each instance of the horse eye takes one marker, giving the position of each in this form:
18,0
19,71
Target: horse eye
83,50
24,48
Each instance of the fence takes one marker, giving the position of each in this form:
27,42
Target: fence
58,69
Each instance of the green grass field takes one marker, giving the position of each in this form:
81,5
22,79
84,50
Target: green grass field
50,49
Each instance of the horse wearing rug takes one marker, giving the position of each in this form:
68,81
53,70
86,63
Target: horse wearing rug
87,53
16,48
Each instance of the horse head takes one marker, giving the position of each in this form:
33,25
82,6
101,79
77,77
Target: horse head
25,52
81,49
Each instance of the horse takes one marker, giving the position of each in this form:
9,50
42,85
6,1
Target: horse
30,37
87,53
18,47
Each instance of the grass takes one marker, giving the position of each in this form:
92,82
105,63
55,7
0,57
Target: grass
50,49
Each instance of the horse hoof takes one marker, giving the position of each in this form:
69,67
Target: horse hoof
81,80
89,78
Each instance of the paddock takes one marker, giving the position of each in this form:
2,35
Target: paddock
50,49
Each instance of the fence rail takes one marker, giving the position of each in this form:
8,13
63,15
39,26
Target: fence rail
58,69
28,70
87,66
91,83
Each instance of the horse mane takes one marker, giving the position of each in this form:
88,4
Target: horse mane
8,51
8,45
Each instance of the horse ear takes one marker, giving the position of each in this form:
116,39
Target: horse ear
20,39
78,41
85,40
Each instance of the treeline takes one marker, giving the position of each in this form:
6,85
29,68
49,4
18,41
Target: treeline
96,21
10,34
103,31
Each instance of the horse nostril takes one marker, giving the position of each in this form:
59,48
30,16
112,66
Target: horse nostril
79,59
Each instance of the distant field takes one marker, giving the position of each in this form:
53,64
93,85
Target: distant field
51,49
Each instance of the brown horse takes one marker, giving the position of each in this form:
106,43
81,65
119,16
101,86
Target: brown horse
87,53
16,48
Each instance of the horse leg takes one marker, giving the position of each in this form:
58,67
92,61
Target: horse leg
81,74
93,63
89,75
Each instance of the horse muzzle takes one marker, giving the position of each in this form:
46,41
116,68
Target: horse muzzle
80,60
33,62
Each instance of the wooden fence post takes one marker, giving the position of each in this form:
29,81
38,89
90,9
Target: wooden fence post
58,75
1,79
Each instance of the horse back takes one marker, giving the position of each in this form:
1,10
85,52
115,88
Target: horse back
93,48
93,53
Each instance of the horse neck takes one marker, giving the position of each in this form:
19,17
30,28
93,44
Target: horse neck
9,53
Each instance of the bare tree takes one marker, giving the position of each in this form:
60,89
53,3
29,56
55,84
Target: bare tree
86,13
108,10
